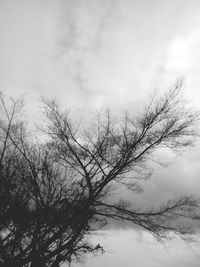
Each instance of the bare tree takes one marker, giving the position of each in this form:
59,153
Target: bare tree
64,186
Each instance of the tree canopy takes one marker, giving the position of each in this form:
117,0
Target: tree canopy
55,193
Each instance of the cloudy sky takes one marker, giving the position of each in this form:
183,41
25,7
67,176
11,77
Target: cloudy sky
109,53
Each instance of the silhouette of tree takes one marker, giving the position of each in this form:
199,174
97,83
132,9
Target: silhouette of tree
54,194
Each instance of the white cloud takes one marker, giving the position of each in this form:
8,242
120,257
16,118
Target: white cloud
184,53
138,248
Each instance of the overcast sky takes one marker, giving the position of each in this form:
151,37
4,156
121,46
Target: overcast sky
109,53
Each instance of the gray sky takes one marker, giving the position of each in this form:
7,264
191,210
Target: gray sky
108,53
